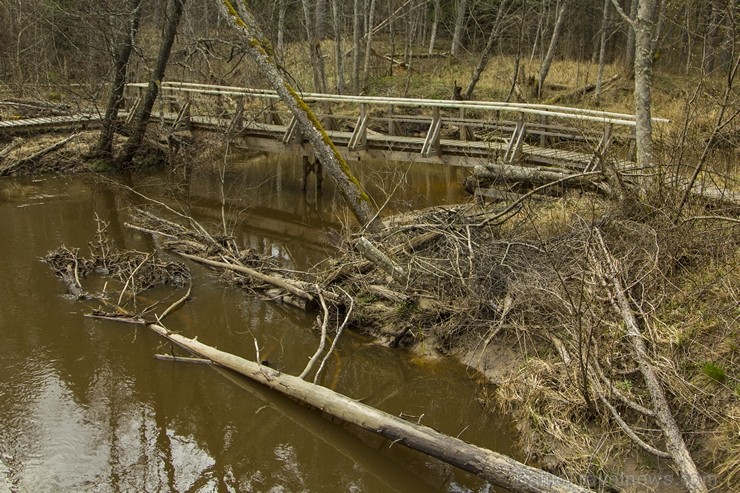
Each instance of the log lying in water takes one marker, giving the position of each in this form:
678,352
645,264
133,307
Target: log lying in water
497,468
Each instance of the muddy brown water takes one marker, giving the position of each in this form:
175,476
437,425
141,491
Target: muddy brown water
84,406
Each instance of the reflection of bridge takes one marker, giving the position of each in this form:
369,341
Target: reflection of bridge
461,133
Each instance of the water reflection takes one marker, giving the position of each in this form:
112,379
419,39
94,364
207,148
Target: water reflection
85,407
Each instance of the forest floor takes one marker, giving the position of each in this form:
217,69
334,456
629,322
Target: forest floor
527,297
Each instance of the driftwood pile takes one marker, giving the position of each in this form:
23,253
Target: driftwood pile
136,271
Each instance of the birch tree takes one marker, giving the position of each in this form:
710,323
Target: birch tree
356,38
602,51
435,23
238,16
460,18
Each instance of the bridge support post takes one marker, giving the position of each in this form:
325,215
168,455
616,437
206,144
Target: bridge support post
359,135
544,139
465,133
514,149
431,145
291,132
393,127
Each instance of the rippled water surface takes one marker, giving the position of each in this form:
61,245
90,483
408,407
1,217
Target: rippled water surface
84,406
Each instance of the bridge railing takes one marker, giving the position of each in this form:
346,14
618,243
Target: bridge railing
512,124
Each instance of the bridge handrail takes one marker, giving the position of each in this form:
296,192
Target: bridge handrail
523,108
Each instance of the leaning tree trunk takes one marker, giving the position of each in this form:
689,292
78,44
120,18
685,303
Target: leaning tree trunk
675,444
462,7
550,56
104,147
142,116
238,15
485,56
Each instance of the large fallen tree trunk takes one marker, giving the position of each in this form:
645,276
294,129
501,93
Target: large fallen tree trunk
493,173
497,468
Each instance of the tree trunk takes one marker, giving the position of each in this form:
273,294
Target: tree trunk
282,5
485,56
369,42
713,38
338,54
497,468
356,38
550,56
314,47
643,26
629,52
435,23
240,17
460,19
145,110
104,147
602,51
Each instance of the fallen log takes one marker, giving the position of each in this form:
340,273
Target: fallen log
581,91
182,359
484,175
497,468
374,255
610,272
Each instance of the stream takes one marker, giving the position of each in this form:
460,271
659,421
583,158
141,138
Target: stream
84,405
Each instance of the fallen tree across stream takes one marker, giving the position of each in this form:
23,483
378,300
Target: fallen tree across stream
497,468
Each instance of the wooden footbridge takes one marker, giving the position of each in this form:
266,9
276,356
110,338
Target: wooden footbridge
460,133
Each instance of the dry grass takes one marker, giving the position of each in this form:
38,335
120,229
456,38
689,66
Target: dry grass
529,285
